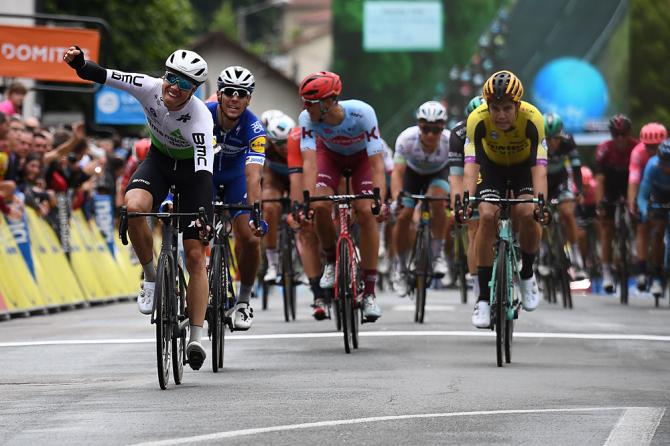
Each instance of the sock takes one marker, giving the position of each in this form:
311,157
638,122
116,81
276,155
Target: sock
244,293
149,271
330,254
484,274
576,256
401,258
317,291
196,333
475,284
273,256
527,261
438,247
370,279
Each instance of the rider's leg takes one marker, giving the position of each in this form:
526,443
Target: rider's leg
484,241
369,243
403,238
197,290
438,188
249,256
566,211
272,215
529,236
139,200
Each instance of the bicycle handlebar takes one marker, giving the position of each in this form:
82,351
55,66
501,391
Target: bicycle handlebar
404,194
375,195
542,212
125,215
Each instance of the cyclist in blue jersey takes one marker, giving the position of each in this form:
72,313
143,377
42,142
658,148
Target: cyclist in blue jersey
239,168
181,154
338,135
655,189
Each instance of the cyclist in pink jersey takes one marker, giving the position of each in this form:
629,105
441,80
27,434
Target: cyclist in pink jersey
651,135
336,136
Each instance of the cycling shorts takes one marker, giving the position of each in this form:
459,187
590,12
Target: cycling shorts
495,179
158,172
415,183
330,166
560,188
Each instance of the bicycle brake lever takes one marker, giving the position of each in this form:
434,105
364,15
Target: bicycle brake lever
123,225
376,209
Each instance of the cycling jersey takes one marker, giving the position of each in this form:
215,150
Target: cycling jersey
276,159
358,131
558,161
523,143
388,158
655,184
639,158
182,134
409,150
246,140
457,148
609,158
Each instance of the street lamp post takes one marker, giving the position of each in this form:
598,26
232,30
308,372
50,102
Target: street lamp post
244,11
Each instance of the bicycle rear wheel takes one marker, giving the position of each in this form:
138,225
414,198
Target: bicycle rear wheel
162,297
345,296
179,340
500,302
286,271
623,267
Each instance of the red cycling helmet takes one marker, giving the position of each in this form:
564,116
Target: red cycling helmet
653,133
320,85
141,148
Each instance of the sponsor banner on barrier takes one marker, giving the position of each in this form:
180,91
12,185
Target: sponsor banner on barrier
21,233
104,218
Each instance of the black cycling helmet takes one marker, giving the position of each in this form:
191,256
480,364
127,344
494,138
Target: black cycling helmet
664,151
620,123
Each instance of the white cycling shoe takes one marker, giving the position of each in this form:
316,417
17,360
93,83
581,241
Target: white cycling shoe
242,316
371,310
440,267
145,300
530,294
656,288
481,316
271,274
196,354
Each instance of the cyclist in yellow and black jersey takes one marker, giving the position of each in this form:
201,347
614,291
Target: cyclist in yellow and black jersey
505,143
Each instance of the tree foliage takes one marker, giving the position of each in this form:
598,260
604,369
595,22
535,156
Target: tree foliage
142,33
650,46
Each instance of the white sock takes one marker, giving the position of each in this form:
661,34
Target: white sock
273,256
438,247
196,333
149,271
475,285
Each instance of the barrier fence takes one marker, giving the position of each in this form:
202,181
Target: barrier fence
42,271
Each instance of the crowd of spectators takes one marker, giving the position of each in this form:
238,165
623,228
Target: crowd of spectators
37,163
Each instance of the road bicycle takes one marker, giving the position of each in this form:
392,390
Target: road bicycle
169,311
554,263
504,300
347,263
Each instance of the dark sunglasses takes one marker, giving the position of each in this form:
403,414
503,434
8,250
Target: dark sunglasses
230,92
183,84
435,129
619,134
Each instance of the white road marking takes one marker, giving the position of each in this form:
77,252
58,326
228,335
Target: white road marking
636,426
365,334
431,308
289,427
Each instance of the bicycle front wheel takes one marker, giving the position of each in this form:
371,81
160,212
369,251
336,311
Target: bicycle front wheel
345,295
216,308
179,342
500,300
162,297
422,266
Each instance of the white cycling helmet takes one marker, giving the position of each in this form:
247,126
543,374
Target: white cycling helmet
432,111
269,115
236,77
189,64
279,128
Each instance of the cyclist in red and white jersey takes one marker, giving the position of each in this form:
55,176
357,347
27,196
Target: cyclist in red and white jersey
335,136
611,169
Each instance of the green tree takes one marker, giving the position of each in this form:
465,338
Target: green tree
142,34
650,46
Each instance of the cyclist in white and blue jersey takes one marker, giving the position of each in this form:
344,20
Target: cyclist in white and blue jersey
655,190
239,168
421,167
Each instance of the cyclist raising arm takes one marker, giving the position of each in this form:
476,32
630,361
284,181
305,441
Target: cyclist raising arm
505,139
336,136
181,154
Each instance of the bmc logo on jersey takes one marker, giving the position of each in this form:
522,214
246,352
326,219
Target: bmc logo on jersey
258,145
200,149
128,78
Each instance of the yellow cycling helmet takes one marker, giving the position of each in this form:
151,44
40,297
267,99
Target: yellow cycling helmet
502,85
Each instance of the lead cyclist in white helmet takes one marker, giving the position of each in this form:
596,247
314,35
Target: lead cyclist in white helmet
181,154
420,167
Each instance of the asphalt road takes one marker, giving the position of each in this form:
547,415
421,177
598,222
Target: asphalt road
592,376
